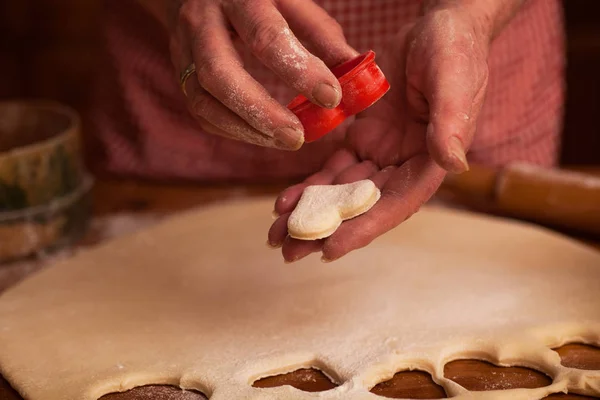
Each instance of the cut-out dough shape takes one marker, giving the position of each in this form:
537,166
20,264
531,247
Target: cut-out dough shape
323,208
199,302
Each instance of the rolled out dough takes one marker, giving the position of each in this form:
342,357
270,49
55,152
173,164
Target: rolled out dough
199,302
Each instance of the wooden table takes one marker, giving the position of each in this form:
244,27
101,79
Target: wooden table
116,196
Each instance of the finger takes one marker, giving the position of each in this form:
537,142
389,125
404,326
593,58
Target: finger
321,33
220,72
210,128
218,120
356,172
339,161
404,190
380,178
294,250
288,199
455,91
265,31
278,231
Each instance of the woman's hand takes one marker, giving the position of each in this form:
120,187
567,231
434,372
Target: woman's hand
224,98
422,128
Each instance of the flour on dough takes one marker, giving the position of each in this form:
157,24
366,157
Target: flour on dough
323,208
199,302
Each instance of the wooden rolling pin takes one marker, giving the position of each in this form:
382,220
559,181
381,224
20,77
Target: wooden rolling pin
558,198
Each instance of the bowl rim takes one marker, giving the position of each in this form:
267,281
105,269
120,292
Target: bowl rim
61,136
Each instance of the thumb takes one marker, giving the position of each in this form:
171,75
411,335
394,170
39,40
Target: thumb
455,93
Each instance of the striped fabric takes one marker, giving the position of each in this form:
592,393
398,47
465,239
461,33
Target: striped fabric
141,126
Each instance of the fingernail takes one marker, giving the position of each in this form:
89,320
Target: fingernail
327,95
272,246
274,214
289,138
430,128
326,260
458,152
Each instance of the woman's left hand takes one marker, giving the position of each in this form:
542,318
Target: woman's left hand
406,143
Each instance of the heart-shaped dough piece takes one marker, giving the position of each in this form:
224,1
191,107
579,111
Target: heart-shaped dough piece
322,208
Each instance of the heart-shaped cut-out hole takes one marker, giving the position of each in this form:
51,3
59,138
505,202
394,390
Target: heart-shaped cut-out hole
410,385
306,379
477,375
323,208
579,356
156,392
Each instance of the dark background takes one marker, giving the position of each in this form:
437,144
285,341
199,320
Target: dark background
48,48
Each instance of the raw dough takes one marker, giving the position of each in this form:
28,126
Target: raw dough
199,302
322,208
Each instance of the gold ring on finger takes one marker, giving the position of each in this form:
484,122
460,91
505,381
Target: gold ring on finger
189,71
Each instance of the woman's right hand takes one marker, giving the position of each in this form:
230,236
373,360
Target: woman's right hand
223,96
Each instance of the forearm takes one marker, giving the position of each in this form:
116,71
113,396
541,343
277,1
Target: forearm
491,16
163,10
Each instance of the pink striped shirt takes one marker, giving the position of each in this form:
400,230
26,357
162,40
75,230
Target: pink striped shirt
141,126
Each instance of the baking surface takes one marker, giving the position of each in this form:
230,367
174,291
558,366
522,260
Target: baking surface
119,196
531,293
476,375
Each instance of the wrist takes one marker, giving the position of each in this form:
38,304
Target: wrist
489,16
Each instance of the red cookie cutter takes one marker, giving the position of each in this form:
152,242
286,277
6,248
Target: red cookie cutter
363,84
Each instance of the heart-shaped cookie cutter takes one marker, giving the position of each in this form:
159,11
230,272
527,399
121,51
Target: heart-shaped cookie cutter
363,84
